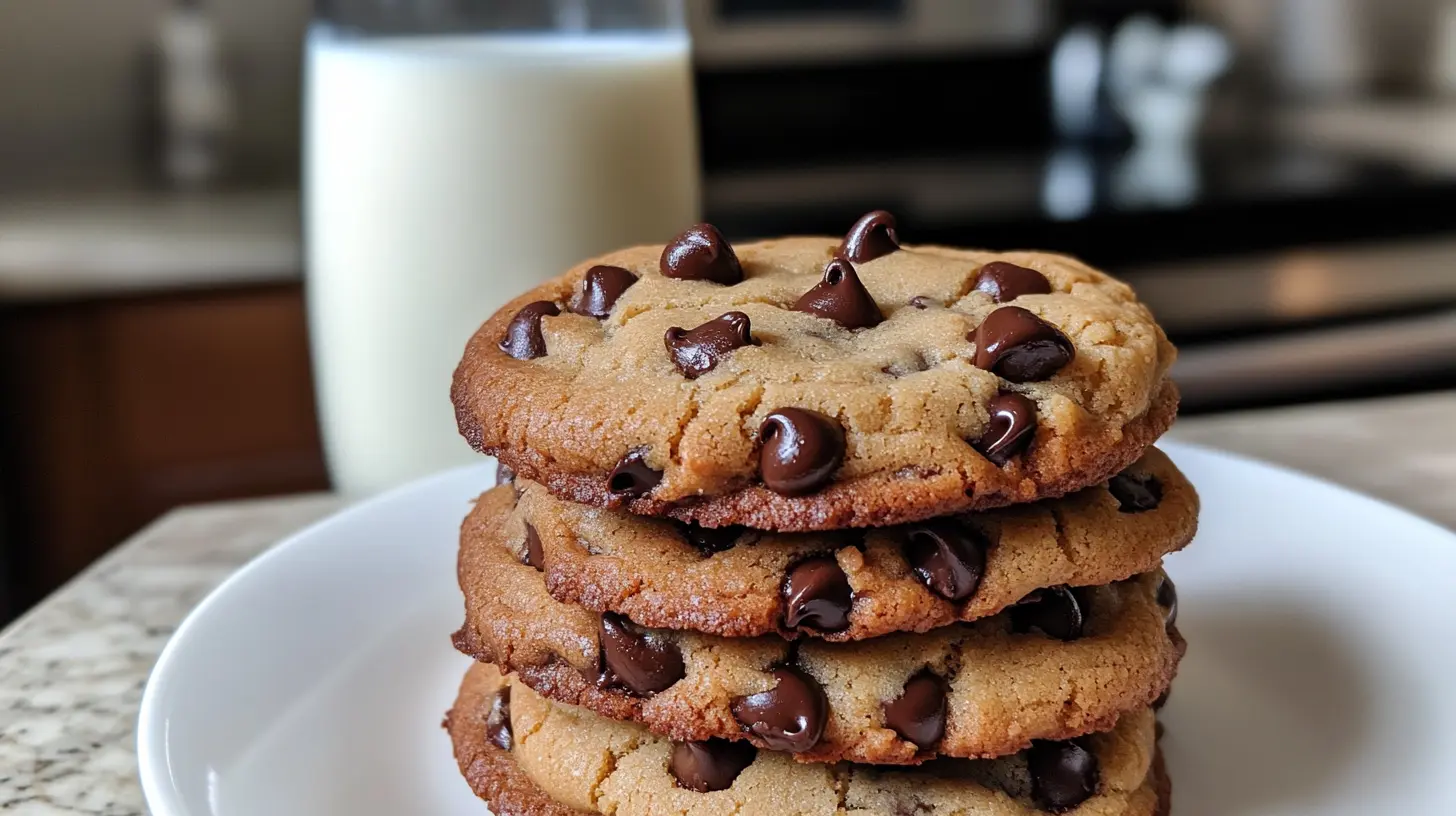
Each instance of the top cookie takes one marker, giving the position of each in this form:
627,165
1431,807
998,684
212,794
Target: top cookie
813,383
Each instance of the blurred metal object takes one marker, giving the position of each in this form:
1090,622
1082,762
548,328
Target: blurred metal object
196,97
1297,286
760,33
1280,367
1322,48
1341,318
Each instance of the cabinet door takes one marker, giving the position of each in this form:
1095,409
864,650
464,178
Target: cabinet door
213,396
120,410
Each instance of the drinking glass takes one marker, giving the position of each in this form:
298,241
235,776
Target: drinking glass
457,153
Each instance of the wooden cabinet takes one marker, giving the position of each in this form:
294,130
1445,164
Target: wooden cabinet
116,410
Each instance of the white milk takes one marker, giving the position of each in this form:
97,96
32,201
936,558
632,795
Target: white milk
447,175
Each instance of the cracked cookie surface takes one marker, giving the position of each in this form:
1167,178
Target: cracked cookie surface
1005,681
730,582
651,383
564,761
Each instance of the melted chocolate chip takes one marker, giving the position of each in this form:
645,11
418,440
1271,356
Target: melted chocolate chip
801,450
1019,346
1011,429
948,556
600,289
503,474
1136,492
711,540
535,556
817,595
701,253
523,339
918,714
1006,281
1055,612
924,302
1162,699
696,351
841,297
632,477
643,663
1063,774
788,717
874,235
498,721
711,765
1168,599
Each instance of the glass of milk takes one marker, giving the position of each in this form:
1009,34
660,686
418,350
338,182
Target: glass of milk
457,154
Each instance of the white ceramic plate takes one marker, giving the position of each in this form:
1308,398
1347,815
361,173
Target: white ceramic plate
1319,677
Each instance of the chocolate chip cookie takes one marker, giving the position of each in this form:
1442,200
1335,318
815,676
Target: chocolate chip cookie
852,585
1062,663
817,383
528,756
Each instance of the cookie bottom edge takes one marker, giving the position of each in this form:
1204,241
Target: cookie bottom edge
496,778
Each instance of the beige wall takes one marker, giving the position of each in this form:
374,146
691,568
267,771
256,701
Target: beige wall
72,84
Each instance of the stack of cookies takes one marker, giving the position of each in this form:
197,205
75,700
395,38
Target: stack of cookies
819,526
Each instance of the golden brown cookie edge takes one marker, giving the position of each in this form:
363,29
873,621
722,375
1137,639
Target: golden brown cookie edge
557,680
575,586
876,500
495,777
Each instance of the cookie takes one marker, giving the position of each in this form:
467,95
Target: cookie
563,761
802,384
738,582
1060,665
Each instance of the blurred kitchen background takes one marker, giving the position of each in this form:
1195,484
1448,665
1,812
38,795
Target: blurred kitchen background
1276,177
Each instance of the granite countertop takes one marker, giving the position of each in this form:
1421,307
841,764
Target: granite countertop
72,670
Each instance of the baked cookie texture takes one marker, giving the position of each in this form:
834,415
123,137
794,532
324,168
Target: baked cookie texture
562,761
572,399
733,582
1004,681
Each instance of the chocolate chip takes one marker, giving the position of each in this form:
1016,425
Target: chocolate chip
523,339
788,717
643,663
841,297
503,474
696,351
918,714
1011,429
924,302
701,253
872,236
1006,281
711,765
1063,774
817,595
1162,699
1019,346
1168,599
1055,612
632,477
1136,492
535,557
948,556
600,289
711,540
498,721
801,450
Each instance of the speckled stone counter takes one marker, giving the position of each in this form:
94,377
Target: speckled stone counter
72,670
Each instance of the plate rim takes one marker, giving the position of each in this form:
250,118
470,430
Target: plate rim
159,789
